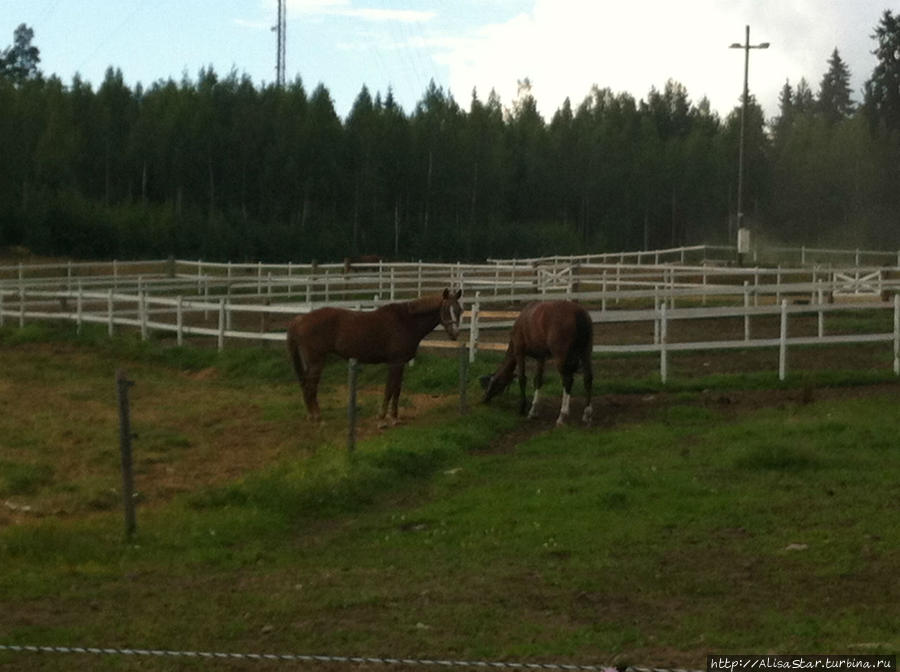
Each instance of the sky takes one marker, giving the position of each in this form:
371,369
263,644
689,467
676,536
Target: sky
564,47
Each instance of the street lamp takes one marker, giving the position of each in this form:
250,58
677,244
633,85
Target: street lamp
746,46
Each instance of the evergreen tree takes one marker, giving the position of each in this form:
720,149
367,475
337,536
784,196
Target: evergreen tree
834,102
804,100
882,90
19,62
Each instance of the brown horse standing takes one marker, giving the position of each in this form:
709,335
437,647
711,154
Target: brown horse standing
558,329
388,335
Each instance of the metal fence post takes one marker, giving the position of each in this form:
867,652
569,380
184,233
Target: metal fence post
463,378
663,341
746,310
122,385
221,336
473,326
142,313
897,334
79,308
352,370
179,321
110,313
782,342
821,298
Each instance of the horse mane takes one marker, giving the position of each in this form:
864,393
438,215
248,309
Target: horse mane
425,304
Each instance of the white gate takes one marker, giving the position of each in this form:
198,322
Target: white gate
554,278
857,285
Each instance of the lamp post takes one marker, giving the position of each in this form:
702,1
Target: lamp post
746,46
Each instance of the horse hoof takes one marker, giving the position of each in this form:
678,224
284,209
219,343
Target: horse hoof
588,416
560,421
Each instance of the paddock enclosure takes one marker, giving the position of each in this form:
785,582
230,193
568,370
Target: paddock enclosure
661,302
729,515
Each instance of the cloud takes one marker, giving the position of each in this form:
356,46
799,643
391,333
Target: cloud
566,46
344,8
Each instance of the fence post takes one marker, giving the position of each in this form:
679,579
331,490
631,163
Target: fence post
463,378
663,341
704,286
782,342
206,298
122,385
21,307
221,338
392,283
79,308
746,310
142,312
897,334
473,326
2,320
756,286
821,299
352,370
778,284
110,314
179,321
603,292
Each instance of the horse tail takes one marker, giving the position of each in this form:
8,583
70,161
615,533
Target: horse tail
584,330
583,344
293,347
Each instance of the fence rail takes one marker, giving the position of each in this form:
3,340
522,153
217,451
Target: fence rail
227,301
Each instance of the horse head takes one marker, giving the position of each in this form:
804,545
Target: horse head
451,312
496,383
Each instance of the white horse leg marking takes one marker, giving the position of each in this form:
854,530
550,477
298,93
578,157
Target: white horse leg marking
588,414
564,410
534,402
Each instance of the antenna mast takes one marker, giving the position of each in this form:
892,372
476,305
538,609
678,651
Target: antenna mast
281,29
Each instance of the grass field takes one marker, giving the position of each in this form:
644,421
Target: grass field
723,513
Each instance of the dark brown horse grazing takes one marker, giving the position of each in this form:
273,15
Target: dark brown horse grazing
388,335
558,329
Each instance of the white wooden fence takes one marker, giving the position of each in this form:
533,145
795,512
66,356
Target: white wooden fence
253,301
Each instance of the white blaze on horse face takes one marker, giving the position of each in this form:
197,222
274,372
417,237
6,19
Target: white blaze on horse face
454,322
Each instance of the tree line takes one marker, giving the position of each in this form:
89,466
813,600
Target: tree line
220,168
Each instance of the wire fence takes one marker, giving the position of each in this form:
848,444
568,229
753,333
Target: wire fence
347,660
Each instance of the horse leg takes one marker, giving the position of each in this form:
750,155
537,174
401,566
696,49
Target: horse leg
520,367
311,390
588,374
538,382
566,370
397,382
391,394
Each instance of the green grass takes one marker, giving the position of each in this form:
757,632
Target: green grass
482,536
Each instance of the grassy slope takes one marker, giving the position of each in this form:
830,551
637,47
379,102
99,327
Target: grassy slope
648,544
